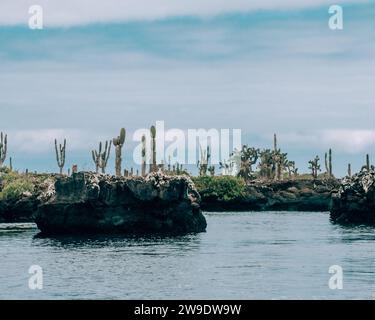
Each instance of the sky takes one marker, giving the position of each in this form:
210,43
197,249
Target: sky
260,66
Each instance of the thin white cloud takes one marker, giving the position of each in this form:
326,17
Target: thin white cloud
73,12
42,140
350,141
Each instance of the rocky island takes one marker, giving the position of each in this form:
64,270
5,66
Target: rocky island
89,202
233,194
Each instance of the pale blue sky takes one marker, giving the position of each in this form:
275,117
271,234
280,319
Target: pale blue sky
261,69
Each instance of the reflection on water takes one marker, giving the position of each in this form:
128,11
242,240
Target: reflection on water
242,255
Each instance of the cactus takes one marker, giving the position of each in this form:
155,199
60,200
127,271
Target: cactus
169,163
143,170
367,162
153,167
328,163
291,167
314,167
118,143
10,164
60,155
96,157
211,170
161,166
266,163
279,160
101,158
349,170
3,148
248,157
204,159
275,156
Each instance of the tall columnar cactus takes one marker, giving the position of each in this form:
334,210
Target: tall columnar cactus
276,157
100,157
60,155
143,169
274,142
3,148
10,164
367,162
349,170
118,143
328,163
153,166
202,164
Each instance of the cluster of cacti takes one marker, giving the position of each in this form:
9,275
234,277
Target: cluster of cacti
3,148
178,169
314,166
60,155
249,156
227,168
273,163
328,163
202,164
211,170
130,173
101,157
170,169
118,143
266,164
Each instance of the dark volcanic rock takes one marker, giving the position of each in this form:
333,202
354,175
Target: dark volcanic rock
355,200
20,209
288,195
88,202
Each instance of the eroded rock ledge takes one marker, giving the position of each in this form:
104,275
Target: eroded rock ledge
288,195
88,202
355,200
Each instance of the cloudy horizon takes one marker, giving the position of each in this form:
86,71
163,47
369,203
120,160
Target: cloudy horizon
260,66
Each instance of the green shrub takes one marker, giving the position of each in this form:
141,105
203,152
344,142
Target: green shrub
222,188
13,185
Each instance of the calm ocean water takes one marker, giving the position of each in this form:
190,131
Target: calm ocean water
254,255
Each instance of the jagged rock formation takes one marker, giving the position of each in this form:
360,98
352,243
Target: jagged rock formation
355,200
88,202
